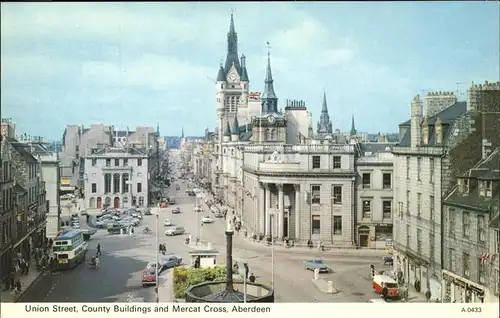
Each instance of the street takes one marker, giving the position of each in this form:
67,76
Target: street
124,257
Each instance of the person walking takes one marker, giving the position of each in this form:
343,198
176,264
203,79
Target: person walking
98,249
251,278
385,292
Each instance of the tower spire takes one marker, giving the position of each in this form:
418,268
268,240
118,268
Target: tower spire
269,98
182,132
353,127
157,129
232,48
324,123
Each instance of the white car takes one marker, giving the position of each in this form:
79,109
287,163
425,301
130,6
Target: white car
167,222
207,219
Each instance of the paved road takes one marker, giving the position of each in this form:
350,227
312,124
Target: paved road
351,273
124,257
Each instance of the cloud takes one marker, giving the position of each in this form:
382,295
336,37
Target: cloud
149,71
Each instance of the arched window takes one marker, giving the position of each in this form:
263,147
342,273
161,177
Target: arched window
107,202
92,203
274,134
268,134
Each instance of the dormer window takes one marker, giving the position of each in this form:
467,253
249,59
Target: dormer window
465,186
425,132
489,188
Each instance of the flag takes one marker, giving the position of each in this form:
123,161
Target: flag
255,96
484,257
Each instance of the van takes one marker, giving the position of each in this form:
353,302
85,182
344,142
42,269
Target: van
175,230
381,281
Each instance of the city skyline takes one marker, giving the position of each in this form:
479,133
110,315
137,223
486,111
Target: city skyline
63,65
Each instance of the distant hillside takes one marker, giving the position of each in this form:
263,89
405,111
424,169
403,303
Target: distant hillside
174,142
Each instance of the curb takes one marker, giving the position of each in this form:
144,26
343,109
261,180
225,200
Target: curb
28,288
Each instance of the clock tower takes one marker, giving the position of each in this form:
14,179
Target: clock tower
232,85
270,126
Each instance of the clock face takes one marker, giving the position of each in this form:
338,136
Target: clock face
232,76
271,119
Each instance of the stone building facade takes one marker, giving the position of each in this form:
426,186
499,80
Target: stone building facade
374,195
116,177
432,151
470,267
7,211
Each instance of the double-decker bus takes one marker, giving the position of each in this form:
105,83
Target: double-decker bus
69,249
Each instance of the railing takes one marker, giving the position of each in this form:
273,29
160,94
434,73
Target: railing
268,148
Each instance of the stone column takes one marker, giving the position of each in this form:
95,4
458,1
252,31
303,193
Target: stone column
112,183
297,211
267,206
281,207
121,183
261,209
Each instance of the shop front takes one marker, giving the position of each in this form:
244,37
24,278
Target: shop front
458,289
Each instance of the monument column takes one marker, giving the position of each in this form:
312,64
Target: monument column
267,216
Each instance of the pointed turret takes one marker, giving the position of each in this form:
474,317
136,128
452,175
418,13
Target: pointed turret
182,132
324,123
232,49
221,77
227,131
244,73
353,127
269,100
157,130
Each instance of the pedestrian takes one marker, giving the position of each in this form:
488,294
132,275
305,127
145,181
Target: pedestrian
98,248
385,292
18,285
310,243
428,295
251,278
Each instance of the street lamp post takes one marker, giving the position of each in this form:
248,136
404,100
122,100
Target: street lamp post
198,205
272,214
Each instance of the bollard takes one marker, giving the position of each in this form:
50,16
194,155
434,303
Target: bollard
316,274
330,287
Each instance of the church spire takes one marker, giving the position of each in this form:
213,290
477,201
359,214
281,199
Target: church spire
182,132
324,123
232,48
157,129
353,127
269,98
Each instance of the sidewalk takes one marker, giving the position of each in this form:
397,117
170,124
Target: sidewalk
26,281
165,289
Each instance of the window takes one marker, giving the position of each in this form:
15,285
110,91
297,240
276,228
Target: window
419,168
337,225
125,162
139,162
481,271
466,224
316,162
337,194
366,179
386,209
316,194
316,224
117,162
431,170
407,167
107,183
408,235
489,189
466,265
367,209
139,187
419,205
337,162
431,208
386,181
431,247
419,241
497,242
407,202
94,187
451,259
108,162
141,201
481,224
452,220
465,186
94,162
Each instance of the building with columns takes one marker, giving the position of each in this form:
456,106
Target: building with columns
116,177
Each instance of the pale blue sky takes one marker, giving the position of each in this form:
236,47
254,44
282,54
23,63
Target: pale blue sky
132,64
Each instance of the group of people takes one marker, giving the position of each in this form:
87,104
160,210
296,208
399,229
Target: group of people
95,262
250,278
162,248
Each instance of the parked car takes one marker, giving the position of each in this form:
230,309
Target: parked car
207,219
171,201
136,214
176,210
148,212
115,228
167,222
316,264
175,230
148,276
197,208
